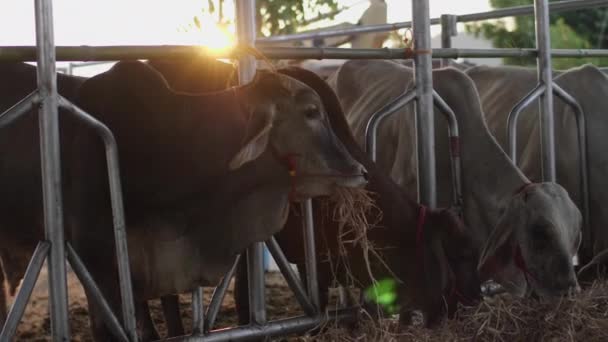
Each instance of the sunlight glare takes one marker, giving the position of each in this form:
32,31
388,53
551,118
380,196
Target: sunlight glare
211,35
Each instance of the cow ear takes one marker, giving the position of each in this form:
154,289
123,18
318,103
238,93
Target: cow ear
257,137
498,252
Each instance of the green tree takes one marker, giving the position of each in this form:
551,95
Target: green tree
581,29
277,16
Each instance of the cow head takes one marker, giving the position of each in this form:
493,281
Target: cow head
532,246
289,120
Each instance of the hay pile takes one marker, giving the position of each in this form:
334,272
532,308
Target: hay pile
583,317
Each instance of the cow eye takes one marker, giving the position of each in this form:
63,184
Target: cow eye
312,113
539,236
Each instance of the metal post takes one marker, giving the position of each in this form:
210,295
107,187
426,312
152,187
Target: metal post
51,170
218,296
425,123
514,117
545,77
448,30
310,254
246,32
198,315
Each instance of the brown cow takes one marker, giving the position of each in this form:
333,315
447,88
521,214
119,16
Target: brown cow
203,176
400,215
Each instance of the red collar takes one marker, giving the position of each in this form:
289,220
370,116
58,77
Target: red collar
290,162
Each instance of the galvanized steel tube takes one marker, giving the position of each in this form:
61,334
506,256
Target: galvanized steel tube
581,129
118,215
310,253
176,52
448,30
425,123
292,280
22,107
27,286
51,170
89,284
514,117
371,130
545,76
198,315
246,32
218,296
454,146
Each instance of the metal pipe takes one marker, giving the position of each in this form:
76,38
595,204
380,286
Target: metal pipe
51,170
295,325
21,108
545,76
581,127
118,213
246,32
425,123
218,296
23,296
454,136
448,30
310,253
177,52
371,130
87,281
514,116
494,14
292,280
198,314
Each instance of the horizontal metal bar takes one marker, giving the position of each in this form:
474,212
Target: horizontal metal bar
294,284
87,281
495,14
27,104
113,53
554,7
218,296
29,281
295,325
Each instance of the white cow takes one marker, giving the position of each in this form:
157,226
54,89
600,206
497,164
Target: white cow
528,234
501,87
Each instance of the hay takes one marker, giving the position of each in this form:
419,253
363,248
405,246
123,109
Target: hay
582,317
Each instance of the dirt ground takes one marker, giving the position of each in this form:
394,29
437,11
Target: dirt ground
35,325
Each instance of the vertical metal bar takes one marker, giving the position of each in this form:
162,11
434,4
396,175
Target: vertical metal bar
448,30
23,296
425,123
246,32
545,77
218,296
581,127
118,214
514,117
310,253
198,315
86,279
51,170
290,276
454,136
371,130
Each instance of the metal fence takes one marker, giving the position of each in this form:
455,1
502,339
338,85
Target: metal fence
56,250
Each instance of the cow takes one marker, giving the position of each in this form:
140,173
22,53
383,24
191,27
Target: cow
203,175
500,88
198,173
433,274
450,279
21,222
527,233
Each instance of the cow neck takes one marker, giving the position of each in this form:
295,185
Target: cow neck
489,177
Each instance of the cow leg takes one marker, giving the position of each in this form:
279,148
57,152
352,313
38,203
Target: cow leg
145,324
241,291
170,304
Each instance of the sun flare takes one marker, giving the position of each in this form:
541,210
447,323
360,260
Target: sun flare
210,34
